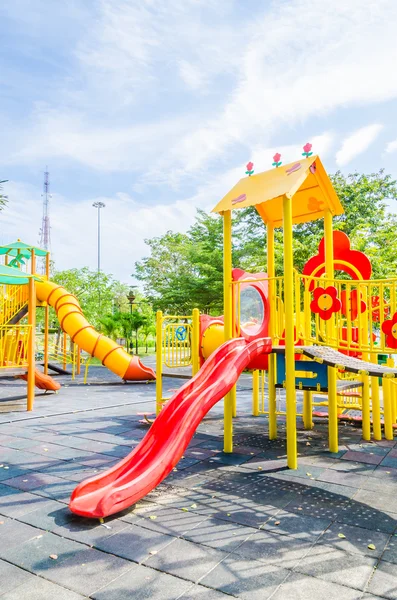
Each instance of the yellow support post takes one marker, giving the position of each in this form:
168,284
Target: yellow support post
329,269
393,402
195,341
377,429
46,318
307,409
292,457
387,413
228,321
272,318
64,349
159,360
31,345
255,393
332,411
366,410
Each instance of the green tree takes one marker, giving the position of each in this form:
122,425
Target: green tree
167,273
3,198
186,270
109,326
97,294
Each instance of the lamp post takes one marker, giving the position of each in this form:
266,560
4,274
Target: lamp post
99,205
131,299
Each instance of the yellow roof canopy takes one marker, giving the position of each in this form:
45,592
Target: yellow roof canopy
305,181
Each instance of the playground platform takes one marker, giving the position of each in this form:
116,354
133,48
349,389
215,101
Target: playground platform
220,526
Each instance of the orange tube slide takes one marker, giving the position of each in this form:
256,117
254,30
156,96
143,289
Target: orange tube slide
73,322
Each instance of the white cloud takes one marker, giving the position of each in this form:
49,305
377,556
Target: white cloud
126,223
391,146
135,55
356,143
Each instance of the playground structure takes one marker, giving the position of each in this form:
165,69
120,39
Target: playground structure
310,331
22,292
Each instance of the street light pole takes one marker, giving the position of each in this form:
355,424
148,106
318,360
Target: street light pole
99,205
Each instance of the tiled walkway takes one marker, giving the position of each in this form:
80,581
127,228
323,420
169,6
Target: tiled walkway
220,526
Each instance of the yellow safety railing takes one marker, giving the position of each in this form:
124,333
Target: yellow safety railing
12,299
365,306
61,351
14,340
177,345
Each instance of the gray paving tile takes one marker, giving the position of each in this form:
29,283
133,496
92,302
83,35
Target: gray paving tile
331,564
364,457
134,543
14,503
86,571
48,515
140,583
169,520
274,549
37,588
199,592
297,525
361,515
302,587
384,581
32,481
356,539
13,533
87,531
12,472
217,533
11,577
377,500
247,579
186,560
390,554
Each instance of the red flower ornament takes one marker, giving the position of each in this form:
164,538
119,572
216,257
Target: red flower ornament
375,303
306,150
250,168
389,328
355,304
325,302
276,160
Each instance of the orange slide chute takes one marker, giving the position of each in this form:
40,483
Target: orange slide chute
164,444
43,382
72,320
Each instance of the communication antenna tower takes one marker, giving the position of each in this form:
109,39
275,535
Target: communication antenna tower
45,235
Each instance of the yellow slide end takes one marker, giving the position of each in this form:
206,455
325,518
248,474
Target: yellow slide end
73,322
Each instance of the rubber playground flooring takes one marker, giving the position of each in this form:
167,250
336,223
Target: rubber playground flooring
220,526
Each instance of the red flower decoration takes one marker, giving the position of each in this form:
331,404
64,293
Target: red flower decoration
355,304
390,329
250,168
276,160
375,303
325,302
306,150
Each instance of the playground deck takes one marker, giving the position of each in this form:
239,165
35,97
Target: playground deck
220,526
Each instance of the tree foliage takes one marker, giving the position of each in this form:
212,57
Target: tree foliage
3,198
186,270
98,294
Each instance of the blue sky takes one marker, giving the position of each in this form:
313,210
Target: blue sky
154,107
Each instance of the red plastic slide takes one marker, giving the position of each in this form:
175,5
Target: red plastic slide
43,382
162,447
